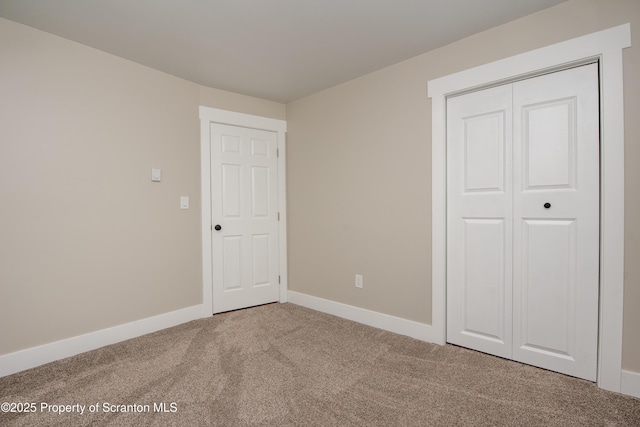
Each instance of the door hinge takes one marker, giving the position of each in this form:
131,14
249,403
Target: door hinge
211,227
278,279
278,216
277,152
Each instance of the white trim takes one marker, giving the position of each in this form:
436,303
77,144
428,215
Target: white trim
611,220
419,331
630,383
36,356
607,46
213,115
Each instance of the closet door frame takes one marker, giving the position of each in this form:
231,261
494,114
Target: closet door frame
604,47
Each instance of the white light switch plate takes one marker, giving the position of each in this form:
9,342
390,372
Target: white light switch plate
184,202
156,175
358,281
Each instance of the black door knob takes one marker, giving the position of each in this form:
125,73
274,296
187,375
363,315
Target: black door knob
218,227
547,205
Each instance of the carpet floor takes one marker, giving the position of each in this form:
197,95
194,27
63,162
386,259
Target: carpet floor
285,365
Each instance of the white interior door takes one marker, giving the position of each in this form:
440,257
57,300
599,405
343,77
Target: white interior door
556,221
523,253
244,211
479,226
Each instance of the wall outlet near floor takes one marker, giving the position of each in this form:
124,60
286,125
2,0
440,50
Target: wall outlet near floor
358,281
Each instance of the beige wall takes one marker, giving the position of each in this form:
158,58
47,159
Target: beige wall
359,169
224,100
87,241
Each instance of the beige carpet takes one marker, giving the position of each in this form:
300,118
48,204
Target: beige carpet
282,364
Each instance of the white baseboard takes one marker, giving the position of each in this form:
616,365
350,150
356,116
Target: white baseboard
420,331
630,383
36,356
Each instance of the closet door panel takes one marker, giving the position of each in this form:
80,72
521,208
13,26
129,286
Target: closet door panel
556,221
479,229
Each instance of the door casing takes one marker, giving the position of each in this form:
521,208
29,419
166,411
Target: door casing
605,47
210,115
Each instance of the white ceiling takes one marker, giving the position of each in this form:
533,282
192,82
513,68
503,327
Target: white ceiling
280,50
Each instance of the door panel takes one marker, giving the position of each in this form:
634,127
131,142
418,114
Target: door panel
483,284
548,286
232,265
479,224
260,258
244,203
230,191
549,144
556,249
484,152
259,192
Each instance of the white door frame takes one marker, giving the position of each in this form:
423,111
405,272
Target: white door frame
212,115
606,46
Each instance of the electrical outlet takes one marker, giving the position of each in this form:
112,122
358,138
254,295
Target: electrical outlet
358,281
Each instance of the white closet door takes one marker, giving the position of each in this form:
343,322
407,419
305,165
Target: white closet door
479,221
523,221
556,221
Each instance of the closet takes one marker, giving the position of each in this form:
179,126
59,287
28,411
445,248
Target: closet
523,208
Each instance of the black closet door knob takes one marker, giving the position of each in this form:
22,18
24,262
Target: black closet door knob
218,227
546,205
